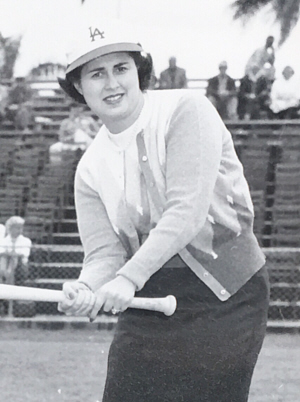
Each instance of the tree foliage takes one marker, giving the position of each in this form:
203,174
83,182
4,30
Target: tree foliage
286,13
9,50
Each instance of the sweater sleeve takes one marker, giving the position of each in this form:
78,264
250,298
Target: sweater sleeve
193,155
104,254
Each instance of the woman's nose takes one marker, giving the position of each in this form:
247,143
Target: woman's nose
111,81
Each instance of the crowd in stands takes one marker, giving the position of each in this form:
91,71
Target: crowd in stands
259,94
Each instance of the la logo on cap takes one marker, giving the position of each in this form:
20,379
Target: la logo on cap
96,32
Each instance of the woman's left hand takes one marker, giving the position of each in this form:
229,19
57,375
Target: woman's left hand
115,295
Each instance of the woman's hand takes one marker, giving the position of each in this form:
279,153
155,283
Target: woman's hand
115,295
79,299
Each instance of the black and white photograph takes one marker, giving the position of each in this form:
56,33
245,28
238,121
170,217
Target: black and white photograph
149,200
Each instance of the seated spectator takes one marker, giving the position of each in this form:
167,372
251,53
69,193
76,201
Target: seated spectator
14,251
221,91
173,77
254,94
76,132
19,107
285,95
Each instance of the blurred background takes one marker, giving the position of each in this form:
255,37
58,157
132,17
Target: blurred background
199,33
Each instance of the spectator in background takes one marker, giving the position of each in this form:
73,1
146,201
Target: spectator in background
285,95
254,93
19,108
263,57
173,77
2,232
15,251
76,132
221,91
3,101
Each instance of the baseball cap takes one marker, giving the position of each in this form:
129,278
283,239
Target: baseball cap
95,38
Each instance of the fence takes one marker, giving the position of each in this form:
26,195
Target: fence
49,266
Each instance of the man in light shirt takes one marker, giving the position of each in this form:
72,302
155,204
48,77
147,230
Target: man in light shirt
285,95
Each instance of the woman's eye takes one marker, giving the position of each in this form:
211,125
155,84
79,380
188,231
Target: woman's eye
121,69
97,74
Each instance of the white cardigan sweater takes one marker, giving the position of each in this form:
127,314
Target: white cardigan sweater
200,205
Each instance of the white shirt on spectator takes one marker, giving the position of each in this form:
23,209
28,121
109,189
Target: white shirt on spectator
285,94
21,246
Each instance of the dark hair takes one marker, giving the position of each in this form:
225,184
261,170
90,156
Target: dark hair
144,66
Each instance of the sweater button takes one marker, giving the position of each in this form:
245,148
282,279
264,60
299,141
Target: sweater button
223,292
214,255
205,274
144,158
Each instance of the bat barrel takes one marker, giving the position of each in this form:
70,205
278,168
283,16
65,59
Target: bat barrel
11,292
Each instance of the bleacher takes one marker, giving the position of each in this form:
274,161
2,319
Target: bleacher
43,194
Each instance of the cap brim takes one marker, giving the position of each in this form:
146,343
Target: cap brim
101,51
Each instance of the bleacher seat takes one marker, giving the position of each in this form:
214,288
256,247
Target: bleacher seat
36,229
42,210
255,158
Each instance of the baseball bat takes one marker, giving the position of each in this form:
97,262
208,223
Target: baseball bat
166,305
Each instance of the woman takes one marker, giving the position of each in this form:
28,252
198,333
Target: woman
163,208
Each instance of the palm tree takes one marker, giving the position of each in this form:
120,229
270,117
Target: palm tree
286,12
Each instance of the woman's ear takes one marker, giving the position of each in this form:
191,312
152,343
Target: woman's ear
77,85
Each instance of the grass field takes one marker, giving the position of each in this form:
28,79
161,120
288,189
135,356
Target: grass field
70,365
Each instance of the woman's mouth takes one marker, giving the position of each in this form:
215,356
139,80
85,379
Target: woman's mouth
113,99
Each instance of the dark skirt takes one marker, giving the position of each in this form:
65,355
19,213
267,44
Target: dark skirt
205,352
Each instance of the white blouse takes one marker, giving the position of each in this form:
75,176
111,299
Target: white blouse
132,182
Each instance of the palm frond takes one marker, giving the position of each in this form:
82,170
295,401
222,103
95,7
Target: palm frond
244,9
287,14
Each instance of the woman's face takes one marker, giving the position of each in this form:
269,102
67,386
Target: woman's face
110,87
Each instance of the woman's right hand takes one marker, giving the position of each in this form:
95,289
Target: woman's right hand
79,299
